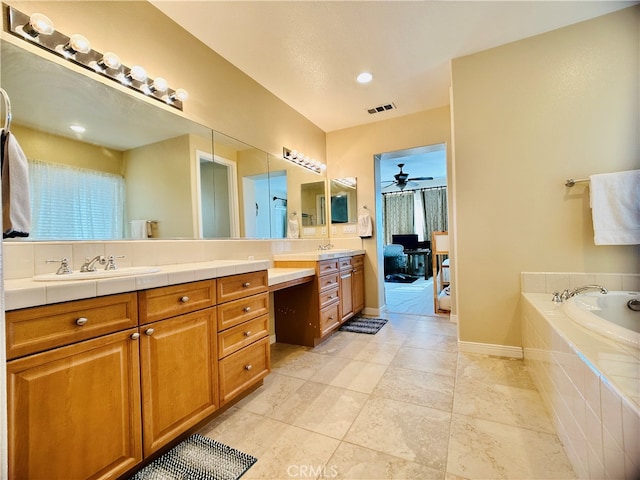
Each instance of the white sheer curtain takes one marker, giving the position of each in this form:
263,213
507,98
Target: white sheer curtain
75,204
398,214
434,203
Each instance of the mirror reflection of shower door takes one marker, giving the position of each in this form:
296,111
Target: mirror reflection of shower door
218,197
257,203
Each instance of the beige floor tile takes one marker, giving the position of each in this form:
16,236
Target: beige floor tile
293,453
336,343
413,432
499,370
322,409
368,351
359,463
423,360
421,388
482,449
521,407
299,363
276,390
350,374
433,341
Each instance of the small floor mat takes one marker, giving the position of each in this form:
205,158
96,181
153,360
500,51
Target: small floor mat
363,325
400,278
198,458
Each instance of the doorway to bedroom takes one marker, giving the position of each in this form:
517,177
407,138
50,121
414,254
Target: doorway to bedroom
412,196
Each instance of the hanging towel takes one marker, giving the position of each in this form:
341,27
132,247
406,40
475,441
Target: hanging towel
139,229
293,229
365,225
16,202
615,207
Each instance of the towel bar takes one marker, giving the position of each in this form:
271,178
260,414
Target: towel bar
570,182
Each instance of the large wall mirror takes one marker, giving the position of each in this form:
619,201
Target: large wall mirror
344,200
159,174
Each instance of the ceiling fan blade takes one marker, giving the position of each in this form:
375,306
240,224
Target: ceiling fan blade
419,179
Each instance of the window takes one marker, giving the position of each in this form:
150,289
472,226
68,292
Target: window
75,204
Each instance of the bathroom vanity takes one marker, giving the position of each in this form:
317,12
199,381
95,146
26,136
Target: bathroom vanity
97,385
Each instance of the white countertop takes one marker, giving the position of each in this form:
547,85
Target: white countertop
319,255
26,292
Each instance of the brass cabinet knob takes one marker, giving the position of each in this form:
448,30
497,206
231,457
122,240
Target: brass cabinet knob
247,333
149,331
246,309
184,299
248,367
135,336
82,321
246,284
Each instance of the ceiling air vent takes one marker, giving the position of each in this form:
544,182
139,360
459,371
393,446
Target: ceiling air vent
381,108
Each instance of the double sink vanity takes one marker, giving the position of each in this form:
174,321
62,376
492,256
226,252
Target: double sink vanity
106,372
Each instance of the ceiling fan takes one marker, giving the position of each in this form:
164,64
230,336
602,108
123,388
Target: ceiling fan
402,179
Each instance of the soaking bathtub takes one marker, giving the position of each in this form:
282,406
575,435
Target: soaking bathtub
588,372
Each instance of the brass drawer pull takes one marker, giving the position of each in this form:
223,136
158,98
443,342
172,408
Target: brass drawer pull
135,336
330,317
149,331
248,367
246,284
82,321
246,309
184,299
247,333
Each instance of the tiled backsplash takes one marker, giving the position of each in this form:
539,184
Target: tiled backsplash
549,282
26,259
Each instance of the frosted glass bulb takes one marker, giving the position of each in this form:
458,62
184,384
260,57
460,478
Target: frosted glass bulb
159,85
138,73
181,94
38,24
111,60
79,44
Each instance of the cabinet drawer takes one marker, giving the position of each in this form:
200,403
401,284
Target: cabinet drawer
329,319
327,266
327,282
329,296
357,261
244,368
37,329
238,286
233,339
165,302
344,263
238,311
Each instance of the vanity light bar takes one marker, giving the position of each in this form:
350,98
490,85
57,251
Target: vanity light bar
302,160
38,30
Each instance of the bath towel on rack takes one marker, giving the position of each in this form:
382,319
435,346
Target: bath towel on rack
140,228
615,207
293,227
16,202
365,225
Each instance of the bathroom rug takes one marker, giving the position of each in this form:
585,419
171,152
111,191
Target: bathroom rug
198,458
363,325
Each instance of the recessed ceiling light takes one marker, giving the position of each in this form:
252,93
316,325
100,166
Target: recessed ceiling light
77,128
364,77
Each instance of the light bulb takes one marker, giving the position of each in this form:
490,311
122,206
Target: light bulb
364,77
159,85
38,24
78,44
181,94
110,60
137,73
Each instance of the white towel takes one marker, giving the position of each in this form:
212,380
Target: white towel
139,229
615,207
365,225
293,228
16,202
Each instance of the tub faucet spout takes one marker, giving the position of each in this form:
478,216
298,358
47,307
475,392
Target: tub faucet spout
570,293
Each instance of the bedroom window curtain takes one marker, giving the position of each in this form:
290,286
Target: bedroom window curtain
434,202
398,214
75,204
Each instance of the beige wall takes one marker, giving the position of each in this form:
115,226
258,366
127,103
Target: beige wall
221,96
350,153
46,147
529,115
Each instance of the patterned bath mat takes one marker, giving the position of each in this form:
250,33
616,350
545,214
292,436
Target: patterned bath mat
364,325
198,458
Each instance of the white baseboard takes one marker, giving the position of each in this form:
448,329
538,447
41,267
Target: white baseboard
490,349
453,318
272,339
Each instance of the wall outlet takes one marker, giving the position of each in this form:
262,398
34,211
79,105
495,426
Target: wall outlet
349,229
334,230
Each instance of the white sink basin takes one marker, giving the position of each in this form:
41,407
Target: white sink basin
315,255
98,274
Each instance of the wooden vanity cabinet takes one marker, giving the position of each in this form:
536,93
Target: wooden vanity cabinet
357,283
346,289
74,411
243,333
178,360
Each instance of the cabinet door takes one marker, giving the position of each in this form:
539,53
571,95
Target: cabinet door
179,375
357,282
346,295
74,412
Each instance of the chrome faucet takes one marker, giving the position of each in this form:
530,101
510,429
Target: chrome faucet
570,293
328,246
89,264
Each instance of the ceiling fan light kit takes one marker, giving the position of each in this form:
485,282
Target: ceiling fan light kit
402,179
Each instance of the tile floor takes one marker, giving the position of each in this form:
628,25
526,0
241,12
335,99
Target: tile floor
401,404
